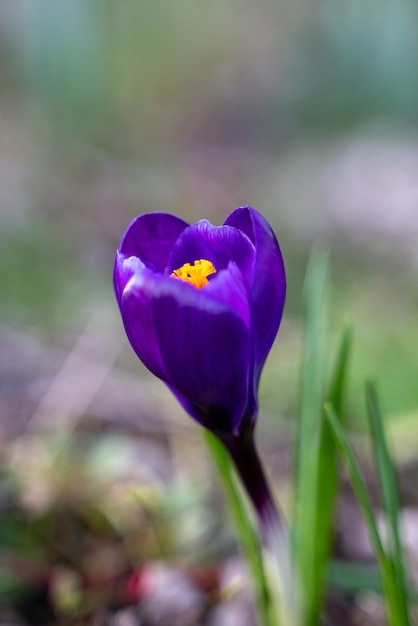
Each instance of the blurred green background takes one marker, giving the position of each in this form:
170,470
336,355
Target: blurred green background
306,112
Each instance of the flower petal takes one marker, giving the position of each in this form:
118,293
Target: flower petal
213,379
218,244
228,287
151,237
125,268
268,289
195,343
219,419
136,306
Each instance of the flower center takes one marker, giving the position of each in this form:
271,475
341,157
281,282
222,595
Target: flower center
195,274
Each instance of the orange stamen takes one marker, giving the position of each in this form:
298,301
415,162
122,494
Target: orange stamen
195,274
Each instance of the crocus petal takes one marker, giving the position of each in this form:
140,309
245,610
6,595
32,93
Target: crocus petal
136,305
151,237
218,244
125,268
219,419
229,288
196,344
268,289
214,376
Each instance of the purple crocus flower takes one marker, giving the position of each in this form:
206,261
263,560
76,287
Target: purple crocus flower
201,306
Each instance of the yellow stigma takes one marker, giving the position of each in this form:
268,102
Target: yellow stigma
195,274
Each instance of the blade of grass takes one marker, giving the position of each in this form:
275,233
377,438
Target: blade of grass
309,437
244,529
327,481
328,475
389,494
339,377
386,570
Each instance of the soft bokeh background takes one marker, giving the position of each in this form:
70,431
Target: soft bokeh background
109,109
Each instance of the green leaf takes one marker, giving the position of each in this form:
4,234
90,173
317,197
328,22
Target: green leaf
327,477
387,574
339,378
310,444
389,495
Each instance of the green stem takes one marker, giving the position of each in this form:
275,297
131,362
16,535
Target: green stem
244,529
273,532
253,477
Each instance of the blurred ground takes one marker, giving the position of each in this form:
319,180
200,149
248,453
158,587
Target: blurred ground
108,110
